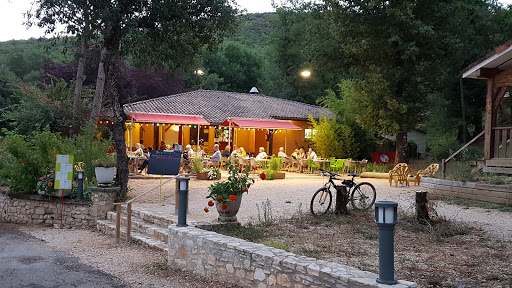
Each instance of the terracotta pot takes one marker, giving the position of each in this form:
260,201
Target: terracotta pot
105,175
229,215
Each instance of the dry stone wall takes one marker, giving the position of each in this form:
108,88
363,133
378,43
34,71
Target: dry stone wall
33,209
255,265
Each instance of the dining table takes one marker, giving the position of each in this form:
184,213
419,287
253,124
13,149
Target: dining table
135,159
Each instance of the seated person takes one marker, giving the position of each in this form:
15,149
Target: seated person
162,145
242,152
236,152
139,151
226,152
214,159
302,154
295,154
312,154
281,153
146,161
261,155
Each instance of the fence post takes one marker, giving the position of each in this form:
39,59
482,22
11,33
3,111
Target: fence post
129,222
118,224
443,168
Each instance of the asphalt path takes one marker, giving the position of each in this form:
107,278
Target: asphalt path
26,261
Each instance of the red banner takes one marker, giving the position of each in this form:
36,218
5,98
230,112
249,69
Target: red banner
383,157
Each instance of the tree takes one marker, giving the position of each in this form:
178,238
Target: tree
166,32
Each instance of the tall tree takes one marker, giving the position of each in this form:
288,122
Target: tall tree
169,32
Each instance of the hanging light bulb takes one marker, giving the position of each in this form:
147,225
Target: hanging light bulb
101,122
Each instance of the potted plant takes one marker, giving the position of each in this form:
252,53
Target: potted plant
45,185
105,169
209,174
227,195
272,170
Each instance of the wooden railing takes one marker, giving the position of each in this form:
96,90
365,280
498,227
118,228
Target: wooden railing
444,161
502,137
129,213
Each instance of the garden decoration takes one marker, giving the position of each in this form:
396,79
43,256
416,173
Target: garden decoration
227,195
209,174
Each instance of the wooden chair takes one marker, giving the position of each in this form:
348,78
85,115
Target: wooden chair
400,174
223,162
431,170
347,166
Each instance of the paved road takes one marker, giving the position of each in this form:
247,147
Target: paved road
26,261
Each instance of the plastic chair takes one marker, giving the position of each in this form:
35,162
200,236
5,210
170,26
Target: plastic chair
255,165
312,165
332,163
339,165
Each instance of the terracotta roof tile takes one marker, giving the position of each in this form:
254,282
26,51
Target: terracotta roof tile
217,106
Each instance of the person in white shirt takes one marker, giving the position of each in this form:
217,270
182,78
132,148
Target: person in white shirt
311,154
262,154
281,153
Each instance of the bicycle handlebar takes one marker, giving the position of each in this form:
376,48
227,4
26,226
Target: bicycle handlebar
332,174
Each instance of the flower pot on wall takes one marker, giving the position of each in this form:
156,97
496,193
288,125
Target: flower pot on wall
279,175
204,176
105,175
229,215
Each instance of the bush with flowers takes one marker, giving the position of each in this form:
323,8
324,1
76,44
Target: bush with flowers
45,184
222,192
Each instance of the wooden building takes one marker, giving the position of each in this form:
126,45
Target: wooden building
496,68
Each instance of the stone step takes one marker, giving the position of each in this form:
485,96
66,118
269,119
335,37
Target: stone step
142,227
109,228
161,219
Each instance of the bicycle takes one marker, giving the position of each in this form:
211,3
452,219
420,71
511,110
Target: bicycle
362,197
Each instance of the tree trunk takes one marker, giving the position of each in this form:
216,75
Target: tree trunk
421,207
341,200
77,99
100,86
401,148
118,130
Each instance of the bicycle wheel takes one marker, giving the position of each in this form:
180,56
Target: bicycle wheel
363,196
321,201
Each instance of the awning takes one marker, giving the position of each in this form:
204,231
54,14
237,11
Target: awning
167,118
260,124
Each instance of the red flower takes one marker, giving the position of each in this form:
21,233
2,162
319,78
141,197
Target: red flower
263,176
25,160
219,199
210,203
245,190
224,207
206,209
232,197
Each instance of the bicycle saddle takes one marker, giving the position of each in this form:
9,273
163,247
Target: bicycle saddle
353,175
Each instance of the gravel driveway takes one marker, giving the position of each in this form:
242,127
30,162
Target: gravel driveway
293,194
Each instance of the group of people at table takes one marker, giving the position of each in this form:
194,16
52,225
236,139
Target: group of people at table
142,153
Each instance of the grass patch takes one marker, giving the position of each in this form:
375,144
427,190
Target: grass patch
283,245
439,229
249,232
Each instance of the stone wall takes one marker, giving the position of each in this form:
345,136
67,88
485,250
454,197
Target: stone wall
35,209
255,265
45,211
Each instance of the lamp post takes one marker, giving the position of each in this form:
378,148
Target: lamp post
386,214
182,200
80,178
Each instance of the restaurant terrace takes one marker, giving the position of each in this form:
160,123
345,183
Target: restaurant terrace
249,120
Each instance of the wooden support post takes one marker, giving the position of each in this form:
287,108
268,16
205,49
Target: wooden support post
489,111
443,168
118,224
128,222
341,200
421,207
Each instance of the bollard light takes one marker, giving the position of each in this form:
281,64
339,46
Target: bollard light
80,178
386,214
182,200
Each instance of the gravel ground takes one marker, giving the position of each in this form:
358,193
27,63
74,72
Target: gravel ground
141,267
293,194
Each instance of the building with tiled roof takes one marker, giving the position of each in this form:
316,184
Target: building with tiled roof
244,119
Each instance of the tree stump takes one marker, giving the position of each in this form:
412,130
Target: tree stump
421,207
341,200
